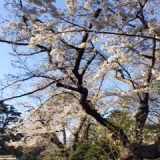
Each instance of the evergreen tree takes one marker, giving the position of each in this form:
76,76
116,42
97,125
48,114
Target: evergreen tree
7,114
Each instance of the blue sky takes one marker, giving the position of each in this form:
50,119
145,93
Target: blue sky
5,59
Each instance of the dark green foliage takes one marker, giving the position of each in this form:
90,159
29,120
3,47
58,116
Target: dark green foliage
98,150
121,118
7,114
30,156
55,154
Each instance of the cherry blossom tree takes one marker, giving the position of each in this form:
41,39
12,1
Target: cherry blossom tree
103,54
49,127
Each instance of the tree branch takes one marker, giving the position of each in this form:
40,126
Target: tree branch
28,93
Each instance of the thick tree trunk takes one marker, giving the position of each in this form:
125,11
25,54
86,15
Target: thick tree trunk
140,118
138,152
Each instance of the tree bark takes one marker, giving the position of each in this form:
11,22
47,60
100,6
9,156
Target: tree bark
141,117
138,152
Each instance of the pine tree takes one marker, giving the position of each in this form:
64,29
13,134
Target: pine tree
7,114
